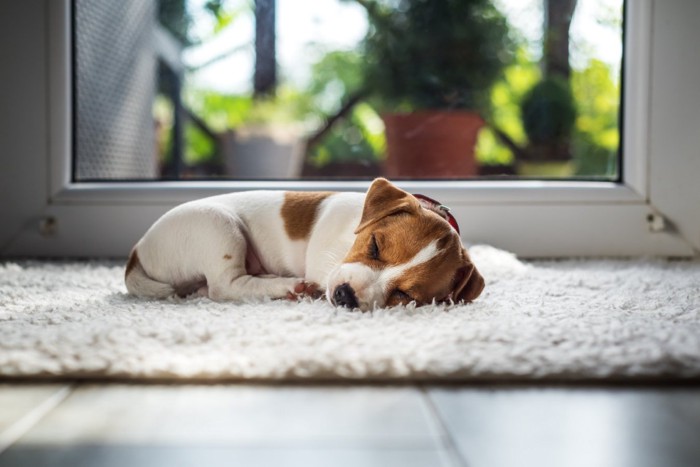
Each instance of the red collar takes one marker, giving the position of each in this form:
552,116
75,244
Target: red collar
439,208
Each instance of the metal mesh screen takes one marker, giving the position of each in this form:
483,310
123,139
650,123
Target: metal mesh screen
115,73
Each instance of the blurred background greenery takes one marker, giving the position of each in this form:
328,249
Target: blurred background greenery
328,96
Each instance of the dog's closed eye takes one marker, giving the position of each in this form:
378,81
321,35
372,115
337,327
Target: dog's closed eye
374,249
402,296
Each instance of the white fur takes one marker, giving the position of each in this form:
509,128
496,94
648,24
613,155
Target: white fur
189,245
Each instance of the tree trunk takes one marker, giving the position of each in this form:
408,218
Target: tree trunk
557,21
265,78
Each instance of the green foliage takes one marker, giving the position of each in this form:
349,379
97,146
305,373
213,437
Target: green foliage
336,76
434,54
176,17
595,137
505,98
225,111
163,116
548,111
198,147
360,137
592,159
468,62
598,98
221,112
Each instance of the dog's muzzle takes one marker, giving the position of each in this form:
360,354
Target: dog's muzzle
344,295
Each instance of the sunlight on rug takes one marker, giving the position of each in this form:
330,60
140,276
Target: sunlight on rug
553,320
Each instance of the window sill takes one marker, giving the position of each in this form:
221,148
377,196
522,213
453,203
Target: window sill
456,193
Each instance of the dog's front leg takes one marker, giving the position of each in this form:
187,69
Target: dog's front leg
234,283
249,287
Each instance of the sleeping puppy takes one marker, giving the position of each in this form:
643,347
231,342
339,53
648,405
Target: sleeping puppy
376,249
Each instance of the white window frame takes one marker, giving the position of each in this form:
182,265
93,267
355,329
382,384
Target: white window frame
654,211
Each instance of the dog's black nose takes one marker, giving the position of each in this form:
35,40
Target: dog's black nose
343,295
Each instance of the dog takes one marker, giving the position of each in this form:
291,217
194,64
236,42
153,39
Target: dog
381,248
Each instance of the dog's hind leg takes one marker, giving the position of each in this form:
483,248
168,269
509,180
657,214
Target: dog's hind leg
228,271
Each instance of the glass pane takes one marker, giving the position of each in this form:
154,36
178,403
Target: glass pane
415,89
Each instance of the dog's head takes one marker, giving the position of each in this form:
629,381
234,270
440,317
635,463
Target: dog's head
403,252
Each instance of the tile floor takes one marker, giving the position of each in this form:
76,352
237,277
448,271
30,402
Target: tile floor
326,425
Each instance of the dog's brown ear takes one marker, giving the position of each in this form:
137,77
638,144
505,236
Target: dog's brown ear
468,282
384,199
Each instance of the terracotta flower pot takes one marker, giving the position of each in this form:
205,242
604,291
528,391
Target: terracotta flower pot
431,144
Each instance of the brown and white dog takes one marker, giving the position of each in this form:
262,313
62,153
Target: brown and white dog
382,248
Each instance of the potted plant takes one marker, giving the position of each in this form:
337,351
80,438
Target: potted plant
548,114
430,66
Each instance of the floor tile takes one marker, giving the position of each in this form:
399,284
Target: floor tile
110,455
572,427
280,416
16,400
23,405
154,426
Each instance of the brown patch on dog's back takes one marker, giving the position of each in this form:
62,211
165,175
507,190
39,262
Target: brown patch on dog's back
132,263
228,256
299,212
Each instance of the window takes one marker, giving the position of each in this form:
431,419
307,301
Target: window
650,208
448,89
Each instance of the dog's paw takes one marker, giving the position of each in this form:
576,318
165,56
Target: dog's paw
305,289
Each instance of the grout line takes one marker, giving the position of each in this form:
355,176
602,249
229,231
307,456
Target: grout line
448,440
18,429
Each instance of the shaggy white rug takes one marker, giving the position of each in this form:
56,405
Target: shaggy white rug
565,320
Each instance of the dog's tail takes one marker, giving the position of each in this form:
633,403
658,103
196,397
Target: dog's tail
140,284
